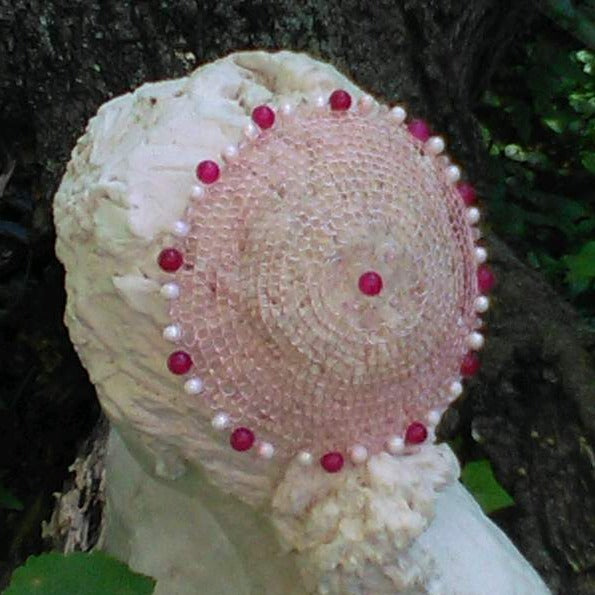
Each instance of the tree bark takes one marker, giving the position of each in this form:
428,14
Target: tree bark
532,408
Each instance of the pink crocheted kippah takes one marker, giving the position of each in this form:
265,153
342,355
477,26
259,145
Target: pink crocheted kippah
324,286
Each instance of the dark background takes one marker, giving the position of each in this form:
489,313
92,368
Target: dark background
474,70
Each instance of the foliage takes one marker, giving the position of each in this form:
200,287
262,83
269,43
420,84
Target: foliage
478,478
539,123
77,574
8,500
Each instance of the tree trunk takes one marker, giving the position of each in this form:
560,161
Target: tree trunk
532,408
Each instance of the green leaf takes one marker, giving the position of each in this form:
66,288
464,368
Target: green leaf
556,123
585,226
514,152
533,260
8,500
588,59
582,102
578,286
77,574
491,99
581,266
478,478
588,160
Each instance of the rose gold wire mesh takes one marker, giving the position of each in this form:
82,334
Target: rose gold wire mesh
270,308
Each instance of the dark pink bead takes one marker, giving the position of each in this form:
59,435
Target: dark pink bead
332,462
370,283
179,362
467,193
242,439
416,433
263,116
486,280
207,171
340,100
419,129
470,364
170,259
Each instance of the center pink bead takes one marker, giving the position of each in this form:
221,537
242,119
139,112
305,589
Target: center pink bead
370,283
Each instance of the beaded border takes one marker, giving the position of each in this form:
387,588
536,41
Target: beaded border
170,260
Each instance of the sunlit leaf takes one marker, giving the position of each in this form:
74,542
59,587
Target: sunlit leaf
515,152
587,57
581,266
478,477
77,574
556,123
583,103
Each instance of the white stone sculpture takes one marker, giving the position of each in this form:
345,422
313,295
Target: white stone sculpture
275,284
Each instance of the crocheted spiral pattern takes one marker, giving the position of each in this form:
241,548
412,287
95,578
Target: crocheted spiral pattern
270,306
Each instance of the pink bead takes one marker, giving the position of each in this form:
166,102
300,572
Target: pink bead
416,433
170,259
242,439
467,193
340,100
485,279
207,171
419,129
370,283
470,364
263,116
179,362
332,462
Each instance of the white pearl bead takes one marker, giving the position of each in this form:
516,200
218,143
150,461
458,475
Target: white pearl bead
395,445
197,192
472,215
286,109
230,152
359,454
398,114
250,130
435,145
172,333
320,101
365,104
181,229
305,458
170,291
193,386
434,417
220,421
481,255
456,389
453,173
475,340
266,450
482,303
